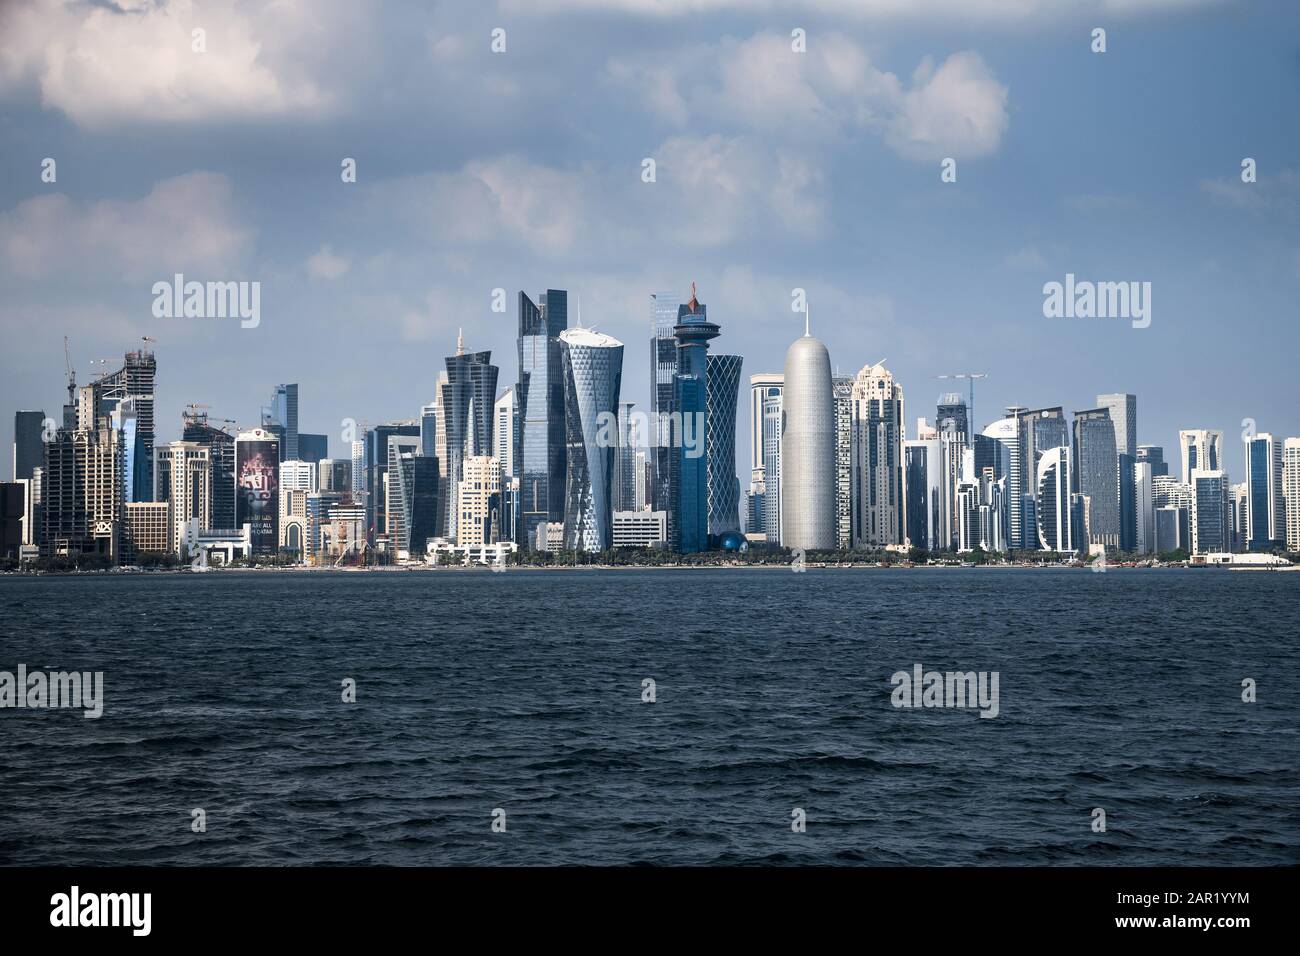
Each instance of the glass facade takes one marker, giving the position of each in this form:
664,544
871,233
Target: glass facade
722,387
1096,475
592,366
539,460
469,400
663,366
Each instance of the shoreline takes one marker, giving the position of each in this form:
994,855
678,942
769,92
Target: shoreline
485,569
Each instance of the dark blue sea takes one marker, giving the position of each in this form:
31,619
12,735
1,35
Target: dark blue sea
523,691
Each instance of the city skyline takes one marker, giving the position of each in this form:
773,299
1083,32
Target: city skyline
366,282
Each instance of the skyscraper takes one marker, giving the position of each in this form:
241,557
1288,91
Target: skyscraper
469,397
688,484
842,389
183,479
922,473
663,367
404,475
1096,476
762,387
1054,499
1265,506
29,449
773,418
592,365
505,425
1144,506
81,488
283,412
877,459
134,380
808,447
376,472
539,395
624,484
257,488
195,427
1201,448
1037,431
1155,455
429,429
1209,519
1123,412
722,389
479,501
952,416
1291,491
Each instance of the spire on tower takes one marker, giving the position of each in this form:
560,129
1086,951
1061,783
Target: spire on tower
460,341
807,319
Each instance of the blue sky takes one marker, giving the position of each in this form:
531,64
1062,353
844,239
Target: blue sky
775,170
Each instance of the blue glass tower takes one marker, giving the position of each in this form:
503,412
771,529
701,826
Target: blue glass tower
688,515
540,440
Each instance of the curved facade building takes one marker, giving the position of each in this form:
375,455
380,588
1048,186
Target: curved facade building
1054,500
593,372
808,448
722,388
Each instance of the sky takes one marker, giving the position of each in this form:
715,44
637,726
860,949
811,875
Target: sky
774,170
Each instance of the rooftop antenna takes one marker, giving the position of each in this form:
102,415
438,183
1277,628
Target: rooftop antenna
460,341
807,318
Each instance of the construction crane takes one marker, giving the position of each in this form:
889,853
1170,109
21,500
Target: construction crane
970,409
72,375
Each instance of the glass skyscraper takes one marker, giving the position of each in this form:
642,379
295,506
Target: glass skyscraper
1123,412
663,366
688,491
722,389
29,449
283,411
539,459
592,374
1096,476
469,401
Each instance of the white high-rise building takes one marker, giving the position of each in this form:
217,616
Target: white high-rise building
299,476
773,416
1143,504
807,447
1200,448
505,432
1291,491
358,469
1054,500
183,478
761,386
765,452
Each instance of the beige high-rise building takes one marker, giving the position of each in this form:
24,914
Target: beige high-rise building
479,501
1291,491
183,478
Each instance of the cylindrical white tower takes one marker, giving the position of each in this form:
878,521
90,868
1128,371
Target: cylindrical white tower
808,448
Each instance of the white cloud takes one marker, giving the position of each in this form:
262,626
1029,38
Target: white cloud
134,61
992,11
1278,193
832,91
1030,257
324,264
487,200
959,110
184,223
